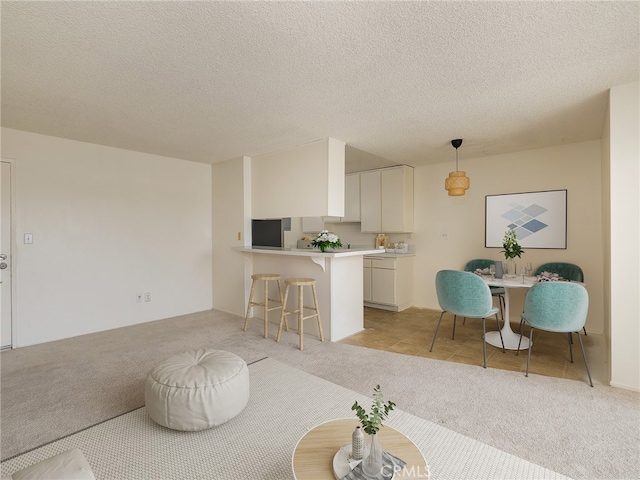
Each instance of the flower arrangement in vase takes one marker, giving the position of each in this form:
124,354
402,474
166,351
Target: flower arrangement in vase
326,239
371,424
511,250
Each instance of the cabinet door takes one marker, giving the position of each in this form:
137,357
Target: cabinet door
352,198
366,284
383,286
397,200
404,280
370,201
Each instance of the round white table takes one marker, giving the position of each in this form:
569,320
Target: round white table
510,338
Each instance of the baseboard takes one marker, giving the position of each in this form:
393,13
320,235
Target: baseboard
391,308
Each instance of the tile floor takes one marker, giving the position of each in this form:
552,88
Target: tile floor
411,332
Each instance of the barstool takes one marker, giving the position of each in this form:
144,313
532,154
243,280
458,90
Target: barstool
300,283
266,278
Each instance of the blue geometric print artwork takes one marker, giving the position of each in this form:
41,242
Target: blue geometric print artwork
534,226
534,210
522,219
512,215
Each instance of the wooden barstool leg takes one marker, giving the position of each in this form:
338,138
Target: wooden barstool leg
249,305
315,300
286,324
300,316
283,315
266,309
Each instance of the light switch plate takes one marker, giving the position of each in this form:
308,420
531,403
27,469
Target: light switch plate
28,238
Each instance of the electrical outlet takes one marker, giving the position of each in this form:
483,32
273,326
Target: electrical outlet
139,298
147,297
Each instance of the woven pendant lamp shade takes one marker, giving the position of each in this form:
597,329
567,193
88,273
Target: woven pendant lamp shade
456,183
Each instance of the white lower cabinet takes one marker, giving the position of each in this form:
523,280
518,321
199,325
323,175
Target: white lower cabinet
388,282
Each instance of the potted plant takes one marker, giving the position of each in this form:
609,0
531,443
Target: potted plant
371,424
326,239
511,250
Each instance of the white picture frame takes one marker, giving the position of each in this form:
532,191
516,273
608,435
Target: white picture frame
538,218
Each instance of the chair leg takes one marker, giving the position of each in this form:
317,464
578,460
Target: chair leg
300,317
283,315
266,309
453,335
436,334
529,352
585,360
500,331
484,343
315,301
520,340
570,349
464,320
246,317
286,323
584,329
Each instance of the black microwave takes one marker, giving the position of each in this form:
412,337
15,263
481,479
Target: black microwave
267,232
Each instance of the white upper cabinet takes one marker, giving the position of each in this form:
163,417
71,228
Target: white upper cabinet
371,201
351,198
386,200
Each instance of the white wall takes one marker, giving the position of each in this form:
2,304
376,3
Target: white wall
302,181
575,167
231,209
606,232
107,224
624,120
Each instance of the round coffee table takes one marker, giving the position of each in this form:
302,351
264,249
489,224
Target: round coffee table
313,455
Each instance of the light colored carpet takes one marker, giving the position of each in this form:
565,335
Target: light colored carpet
285,403
58,388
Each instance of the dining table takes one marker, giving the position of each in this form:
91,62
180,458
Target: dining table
510,338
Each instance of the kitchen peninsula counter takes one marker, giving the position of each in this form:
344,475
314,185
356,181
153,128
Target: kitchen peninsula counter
339,282
309,252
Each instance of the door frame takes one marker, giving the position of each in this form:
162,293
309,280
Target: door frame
13,251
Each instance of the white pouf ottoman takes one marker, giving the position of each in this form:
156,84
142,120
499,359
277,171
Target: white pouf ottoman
197,389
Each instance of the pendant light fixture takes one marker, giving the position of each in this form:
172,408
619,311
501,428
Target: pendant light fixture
457,182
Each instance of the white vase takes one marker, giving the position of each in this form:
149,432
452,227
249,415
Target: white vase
357,444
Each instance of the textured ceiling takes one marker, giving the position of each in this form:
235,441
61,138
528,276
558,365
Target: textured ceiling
210,81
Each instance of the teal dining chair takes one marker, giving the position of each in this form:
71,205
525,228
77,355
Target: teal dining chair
467,295
556,307
498,292
568,271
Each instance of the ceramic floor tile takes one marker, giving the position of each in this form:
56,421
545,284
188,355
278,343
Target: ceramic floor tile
411,332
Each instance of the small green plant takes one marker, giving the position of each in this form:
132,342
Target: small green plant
326,239
510,245
372,422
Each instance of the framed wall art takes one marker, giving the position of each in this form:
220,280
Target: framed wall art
538,218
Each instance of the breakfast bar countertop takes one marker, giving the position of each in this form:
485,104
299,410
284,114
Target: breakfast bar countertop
307,252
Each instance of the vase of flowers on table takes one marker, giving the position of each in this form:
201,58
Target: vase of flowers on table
371,424
511,250
326,240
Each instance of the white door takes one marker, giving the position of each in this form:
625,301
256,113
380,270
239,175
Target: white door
5,255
